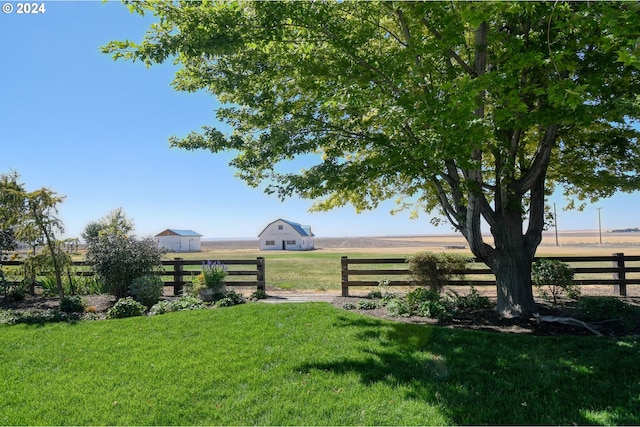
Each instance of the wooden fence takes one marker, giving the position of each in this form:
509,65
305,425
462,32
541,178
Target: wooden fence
619,272
174,274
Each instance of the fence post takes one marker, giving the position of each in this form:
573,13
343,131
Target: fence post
260,276
620,275
344,267
178,278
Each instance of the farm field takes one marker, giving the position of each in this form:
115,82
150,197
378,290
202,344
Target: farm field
319,270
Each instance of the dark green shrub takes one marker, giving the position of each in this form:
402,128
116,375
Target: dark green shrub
420,295
259,294
349,306
374,294
184,303
72,304
398,307
367,304
435,270
147,290
225,302
119,259
235,297
470,302
17,292
126,307
600,308
553,278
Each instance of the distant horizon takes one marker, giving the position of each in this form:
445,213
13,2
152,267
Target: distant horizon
450,234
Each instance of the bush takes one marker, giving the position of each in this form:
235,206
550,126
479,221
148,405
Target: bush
349,306
435,270
230,298
119,259
368,304
470,302
596,309
147,290
184,303
553,278
126,307
72,304
259,294
397,307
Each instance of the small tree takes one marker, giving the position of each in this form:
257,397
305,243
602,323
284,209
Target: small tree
553,278
435,270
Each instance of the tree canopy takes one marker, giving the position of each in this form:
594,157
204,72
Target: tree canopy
472,110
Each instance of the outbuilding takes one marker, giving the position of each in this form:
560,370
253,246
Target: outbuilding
179,240
286,235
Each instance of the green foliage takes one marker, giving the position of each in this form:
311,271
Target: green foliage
16,292
214,274
345,369
72,304
229,299
470,302
553,278
398,307
257,295
119,259
349,306
367,304
184,303
147,290
600,308
435,270
466,112
125,307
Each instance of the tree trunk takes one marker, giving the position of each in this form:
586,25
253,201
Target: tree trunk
511,261
513,284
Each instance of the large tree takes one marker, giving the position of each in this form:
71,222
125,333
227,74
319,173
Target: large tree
473,110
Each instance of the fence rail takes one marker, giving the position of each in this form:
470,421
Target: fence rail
174,274
619,271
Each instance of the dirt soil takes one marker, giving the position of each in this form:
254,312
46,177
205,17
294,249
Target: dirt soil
484,320
489,320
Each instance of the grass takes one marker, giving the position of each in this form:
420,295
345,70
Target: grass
308,364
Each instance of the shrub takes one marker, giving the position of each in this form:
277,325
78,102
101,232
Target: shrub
553,278
420,295
119,259
147,290
470,302
259,294
366,304
435,270
236,297
225,302
397,307
126,307
599,308
184,303
349,306
72,304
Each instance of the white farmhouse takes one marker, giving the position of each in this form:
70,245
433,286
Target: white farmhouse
286,235
179,240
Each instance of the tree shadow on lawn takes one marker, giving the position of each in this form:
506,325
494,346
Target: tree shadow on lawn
492,378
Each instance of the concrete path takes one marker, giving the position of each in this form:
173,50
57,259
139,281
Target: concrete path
274,297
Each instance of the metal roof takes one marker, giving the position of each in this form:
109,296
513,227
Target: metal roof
182,232
303,230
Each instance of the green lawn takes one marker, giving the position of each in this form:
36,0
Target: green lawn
307,364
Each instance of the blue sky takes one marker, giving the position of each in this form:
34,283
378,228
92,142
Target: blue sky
96,131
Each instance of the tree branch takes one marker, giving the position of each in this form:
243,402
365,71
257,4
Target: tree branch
451,53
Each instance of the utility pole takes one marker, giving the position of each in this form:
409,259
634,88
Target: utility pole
555,222
599,225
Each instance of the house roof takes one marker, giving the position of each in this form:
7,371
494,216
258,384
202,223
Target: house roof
303,230
175,232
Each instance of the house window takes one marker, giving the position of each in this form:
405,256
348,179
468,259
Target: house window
291,242
280,227
270,243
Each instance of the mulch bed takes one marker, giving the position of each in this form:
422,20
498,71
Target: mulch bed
483,320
